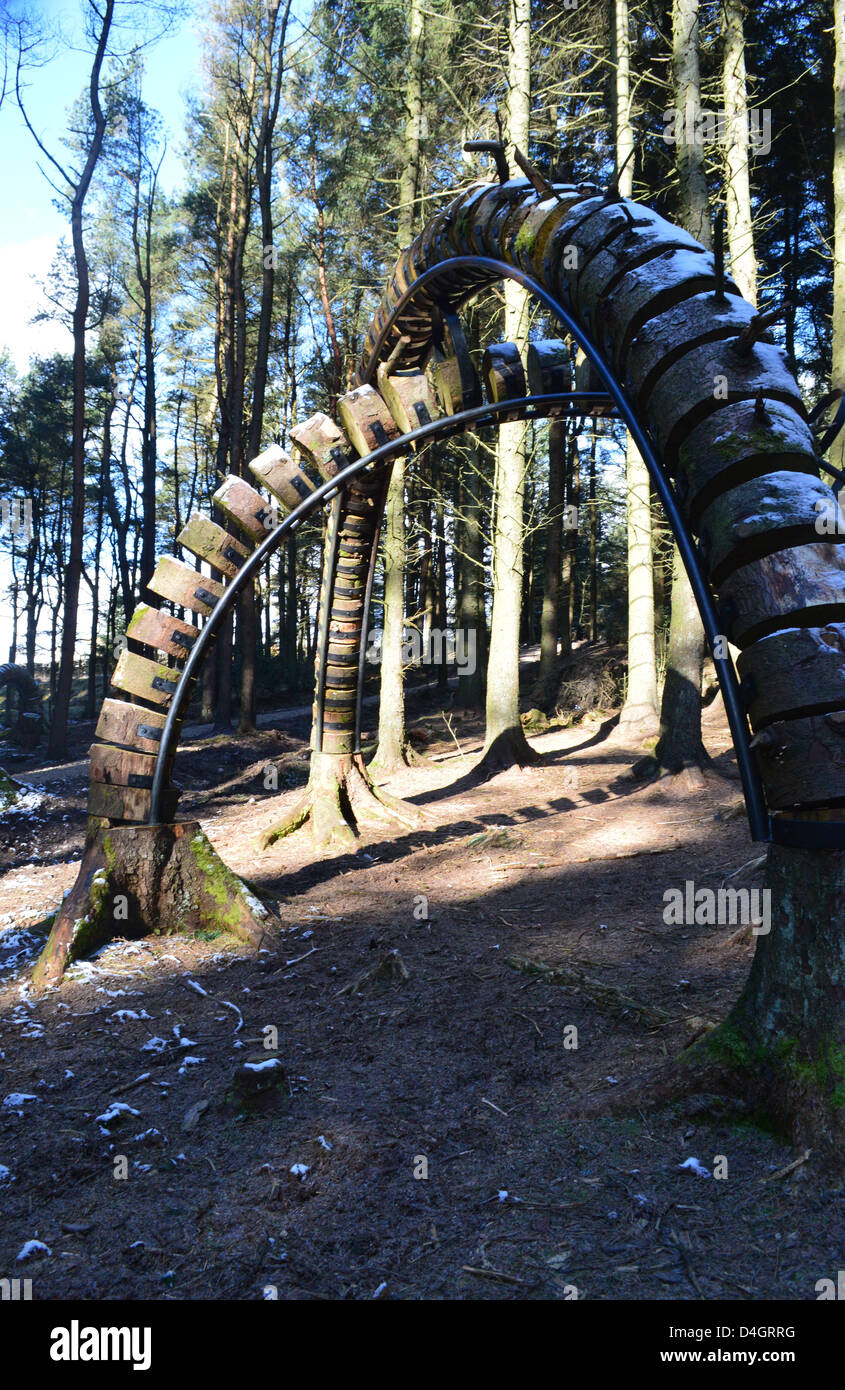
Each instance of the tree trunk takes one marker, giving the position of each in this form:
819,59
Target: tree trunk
680,742
391,728
594,535
472,617
57,744
505,743
390,753
135,877
737,184
547,676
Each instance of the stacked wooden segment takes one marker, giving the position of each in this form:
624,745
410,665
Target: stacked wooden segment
727,419
504,375
456,382
149,669
285,478
351,541
548,367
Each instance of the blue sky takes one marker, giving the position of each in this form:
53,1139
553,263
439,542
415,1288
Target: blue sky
30,226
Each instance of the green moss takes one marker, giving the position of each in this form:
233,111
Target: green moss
822,1073
524,239
220,884
94,928
8,790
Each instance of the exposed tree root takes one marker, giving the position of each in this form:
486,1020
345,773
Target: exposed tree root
690,775
781,1051
508,749
339,801
138,879
638,725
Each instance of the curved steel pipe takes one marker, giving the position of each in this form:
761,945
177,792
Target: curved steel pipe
533,407
759,820
758,817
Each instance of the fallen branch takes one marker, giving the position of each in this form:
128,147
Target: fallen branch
497,1274
790,1168
605,996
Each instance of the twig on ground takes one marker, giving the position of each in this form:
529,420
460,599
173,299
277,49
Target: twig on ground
790,1168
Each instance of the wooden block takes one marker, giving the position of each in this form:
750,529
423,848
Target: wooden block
494,209
650,290
120,767
335,742
131,804
150,680
700,383
767,513
131,725
285,479
532,224
586,376
595,274
670,335
551,261
367,420
161,631
800,587
739,443
504,374
802,761
409,397
184,585
797,671
541,226
324,444
246,508
549,367
204,538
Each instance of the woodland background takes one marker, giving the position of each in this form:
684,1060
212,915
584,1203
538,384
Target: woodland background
316,142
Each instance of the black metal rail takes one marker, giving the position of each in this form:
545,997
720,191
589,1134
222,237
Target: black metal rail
762,826
755,803
529,408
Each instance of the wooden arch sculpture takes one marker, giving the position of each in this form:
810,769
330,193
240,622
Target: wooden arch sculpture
686,363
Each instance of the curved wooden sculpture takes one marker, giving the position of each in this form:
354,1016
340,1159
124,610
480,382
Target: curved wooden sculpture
688,364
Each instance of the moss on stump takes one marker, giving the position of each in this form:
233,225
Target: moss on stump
142,879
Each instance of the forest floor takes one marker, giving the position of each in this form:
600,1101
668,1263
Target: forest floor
466,1069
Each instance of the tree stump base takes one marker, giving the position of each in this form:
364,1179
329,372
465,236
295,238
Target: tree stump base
508,749
339,801
141,879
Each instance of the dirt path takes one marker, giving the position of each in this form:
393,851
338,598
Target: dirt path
415,1137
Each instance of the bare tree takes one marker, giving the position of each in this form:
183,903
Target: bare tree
74,187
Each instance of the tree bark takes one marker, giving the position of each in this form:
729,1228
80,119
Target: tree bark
505,743
57,744
546,687
391,751
136,878
680,743
738,218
